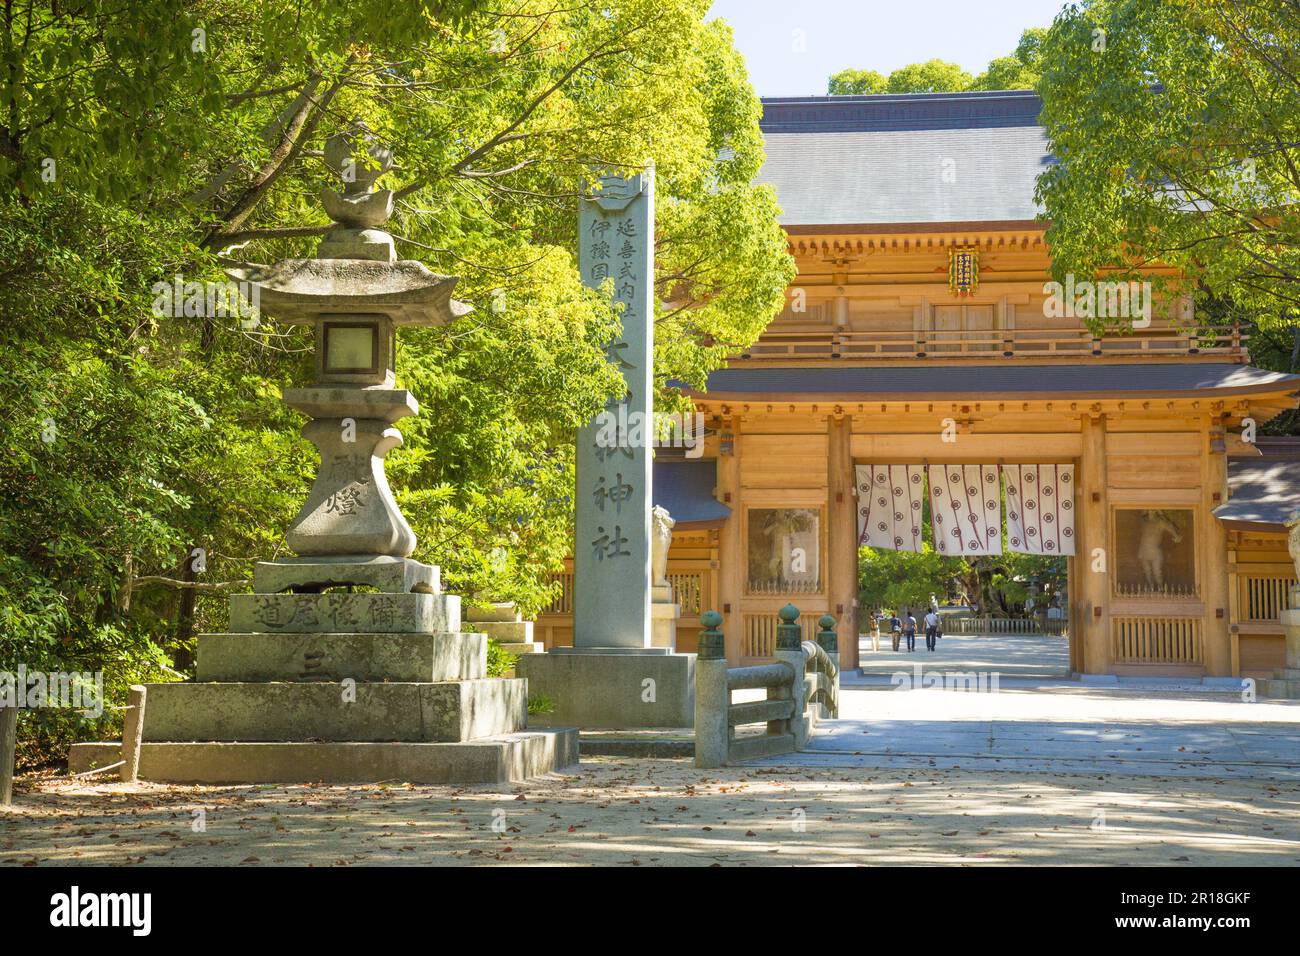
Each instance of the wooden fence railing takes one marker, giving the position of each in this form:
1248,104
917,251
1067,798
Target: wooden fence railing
1156,640
1004,625
691,589
1159,339
1262,597
564,603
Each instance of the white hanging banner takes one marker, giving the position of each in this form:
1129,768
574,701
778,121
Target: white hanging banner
1040,508
966,509
889,506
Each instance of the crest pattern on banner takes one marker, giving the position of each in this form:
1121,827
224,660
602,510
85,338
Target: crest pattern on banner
1040,508
890,500
966,509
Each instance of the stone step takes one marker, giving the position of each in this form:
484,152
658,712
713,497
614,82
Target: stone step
342,612
1281,689
497,612
93,755
507,632
443,711
1287,673
505,758
242,658
665,745
527,647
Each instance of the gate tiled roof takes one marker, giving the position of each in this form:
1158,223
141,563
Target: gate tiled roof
1009,380
904,159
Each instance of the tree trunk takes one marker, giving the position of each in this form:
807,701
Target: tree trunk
183,656
124,595
297,131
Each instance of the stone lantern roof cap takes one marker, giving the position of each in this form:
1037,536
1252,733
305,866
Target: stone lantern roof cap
301,291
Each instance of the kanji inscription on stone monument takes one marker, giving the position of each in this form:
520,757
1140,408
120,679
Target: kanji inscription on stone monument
611,604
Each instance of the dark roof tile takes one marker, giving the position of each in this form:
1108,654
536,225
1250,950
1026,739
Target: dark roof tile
685,490
1264,493
1011,380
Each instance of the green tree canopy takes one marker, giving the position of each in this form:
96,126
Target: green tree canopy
932,76
1175,129
1018,71
850,82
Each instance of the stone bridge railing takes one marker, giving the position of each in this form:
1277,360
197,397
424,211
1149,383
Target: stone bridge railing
803,686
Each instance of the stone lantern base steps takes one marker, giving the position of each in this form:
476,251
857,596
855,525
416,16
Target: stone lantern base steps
506,626
345,688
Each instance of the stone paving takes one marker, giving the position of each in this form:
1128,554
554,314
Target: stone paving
1044,724
1011,655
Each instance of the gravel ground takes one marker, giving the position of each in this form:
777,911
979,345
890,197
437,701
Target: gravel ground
618,812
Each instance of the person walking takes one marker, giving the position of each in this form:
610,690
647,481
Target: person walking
896,629
931,629
909,630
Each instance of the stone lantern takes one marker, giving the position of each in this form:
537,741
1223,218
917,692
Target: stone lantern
354,295
348,662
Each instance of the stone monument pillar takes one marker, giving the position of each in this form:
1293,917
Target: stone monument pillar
616,674
345,685
611,558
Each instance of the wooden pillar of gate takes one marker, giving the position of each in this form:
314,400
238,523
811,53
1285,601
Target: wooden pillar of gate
731,557
1216,648
1095,556
842,536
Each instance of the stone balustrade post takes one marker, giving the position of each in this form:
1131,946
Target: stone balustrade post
712,699
829,640
789,650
